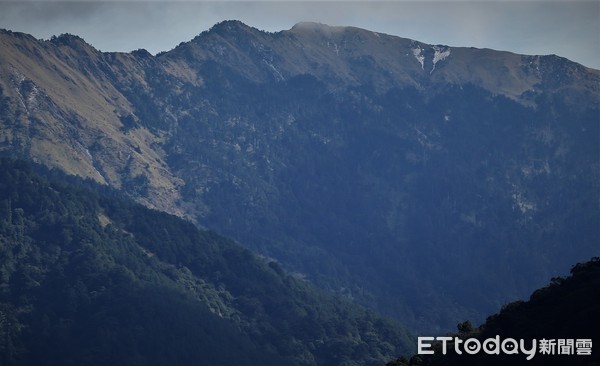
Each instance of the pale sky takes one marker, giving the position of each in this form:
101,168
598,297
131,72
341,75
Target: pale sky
567,28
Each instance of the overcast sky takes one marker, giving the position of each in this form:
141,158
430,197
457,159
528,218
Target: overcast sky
567,28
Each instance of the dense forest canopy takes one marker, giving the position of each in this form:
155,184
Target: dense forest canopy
90,278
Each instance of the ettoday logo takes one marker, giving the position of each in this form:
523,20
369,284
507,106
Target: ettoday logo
508,346
473,346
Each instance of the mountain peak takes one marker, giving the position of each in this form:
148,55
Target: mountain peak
71,40
231,26
321,28
312,26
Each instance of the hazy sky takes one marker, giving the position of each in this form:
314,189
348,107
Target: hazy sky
566,28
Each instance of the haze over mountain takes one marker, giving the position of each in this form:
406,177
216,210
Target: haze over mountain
430,183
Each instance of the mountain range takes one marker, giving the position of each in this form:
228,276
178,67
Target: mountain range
427,182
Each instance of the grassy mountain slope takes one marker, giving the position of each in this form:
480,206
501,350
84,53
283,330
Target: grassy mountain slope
90,279
65,106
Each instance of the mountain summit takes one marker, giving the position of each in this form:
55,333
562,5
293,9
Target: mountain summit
357,57
432,183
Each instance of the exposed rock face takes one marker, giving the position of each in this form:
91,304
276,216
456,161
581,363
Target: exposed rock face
408,176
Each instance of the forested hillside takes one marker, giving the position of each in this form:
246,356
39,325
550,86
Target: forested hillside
566,309
87,278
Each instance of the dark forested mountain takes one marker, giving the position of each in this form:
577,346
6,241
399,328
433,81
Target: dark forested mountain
88,279
567,309
429,182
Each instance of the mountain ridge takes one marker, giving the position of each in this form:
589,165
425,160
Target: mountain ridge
512,82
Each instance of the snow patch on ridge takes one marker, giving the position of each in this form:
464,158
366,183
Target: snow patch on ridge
440,54
417,53
422,55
